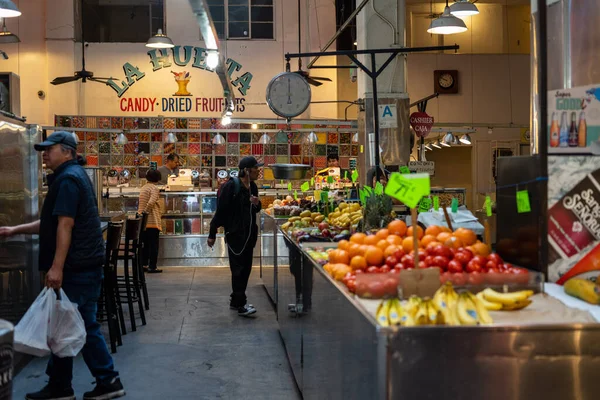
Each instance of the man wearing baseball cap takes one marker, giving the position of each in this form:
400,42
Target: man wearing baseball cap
237,206
72,255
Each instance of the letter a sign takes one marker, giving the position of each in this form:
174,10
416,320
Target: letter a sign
388,116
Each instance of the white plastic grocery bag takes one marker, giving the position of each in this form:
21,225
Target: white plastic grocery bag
66,335
31,333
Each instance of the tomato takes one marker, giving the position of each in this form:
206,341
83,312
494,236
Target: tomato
391,286
428,260
399,254
372,270
444,277
441,250
408,260
422,265
359,271
376,289
494,277
347,277
475,278
351,285
495,257
391,261
422,254
384,269
474,266
395,270
491,264
458,279
399,267
521,275
463,257
442,262
455,266
480,260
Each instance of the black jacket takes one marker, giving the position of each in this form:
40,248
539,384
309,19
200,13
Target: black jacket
234,211
79,202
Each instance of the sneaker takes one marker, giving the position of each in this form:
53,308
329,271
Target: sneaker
237,308
51,393
246,310
106,391
154,271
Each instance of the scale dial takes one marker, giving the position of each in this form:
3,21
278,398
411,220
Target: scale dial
288,95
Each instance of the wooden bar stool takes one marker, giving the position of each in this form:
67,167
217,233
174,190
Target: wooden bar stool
141,274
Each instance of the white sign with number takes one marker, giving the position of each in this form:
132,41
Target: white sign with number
426,167
388,116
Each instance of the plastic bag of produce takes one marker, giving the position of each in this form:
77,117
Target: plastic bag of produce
31,333
67,334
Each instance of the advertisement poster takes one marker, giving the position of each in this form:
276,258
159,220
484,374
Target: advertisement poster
574,120
574,217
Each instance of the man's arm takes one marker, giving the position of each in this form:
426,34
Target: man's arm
54,276
220,216
32,228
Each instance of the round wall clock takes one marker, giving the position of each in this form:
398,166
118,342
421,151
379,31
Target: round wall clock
446,80
288,95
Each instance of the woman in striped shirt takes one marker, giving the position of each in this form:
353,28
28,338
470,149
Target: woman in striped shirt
150,203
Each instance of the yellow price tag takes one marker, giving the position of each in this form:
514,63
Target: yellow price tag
317,195
409,189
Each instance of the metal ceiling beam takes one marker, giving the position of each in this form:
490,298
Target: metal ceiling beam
211,41
339,31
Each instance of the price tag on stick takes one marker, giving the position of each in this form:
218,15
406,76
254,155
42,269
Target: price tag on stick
290,186
523,205
454,205
295,195
305,186
354,175
436,203
409,189
378,188
330,179
404,170
488,206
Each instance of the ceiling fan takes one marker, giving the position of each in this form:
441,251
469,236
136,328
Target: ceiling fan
84,74
313,80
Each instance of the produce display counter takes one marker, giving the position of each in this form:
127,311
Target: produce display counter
337,350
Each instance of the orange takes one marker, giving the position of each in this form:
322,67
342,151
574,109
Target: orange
358,262
442,237
363,249
445,229
395,239
339,257
358,238
390,250
409,231
467,236
480,249
371,240
408,244
397,227
383,244
433,230
374,256
427,239
343,244
382,233
354,250
453,242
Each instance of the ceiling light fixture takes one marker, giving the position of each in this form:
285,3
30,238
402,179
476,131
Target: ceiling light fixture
218,139
121,139
428,148
436,143
212,59
465,139
225,120
312,138
264,139
8,9
448,139
171,138
6,36
254,126
160,41
355,138
463,8
447,24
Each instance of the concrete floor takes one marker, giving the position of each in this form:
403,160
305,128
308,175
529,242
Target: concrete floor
193,346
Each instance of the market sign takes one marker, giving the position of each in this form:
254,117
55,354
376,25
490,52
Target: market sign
426,167
182,100
421,123
387,116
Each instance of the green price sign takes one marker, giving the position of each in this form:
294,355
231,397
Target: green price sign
363,198
295,195
330,179
346,174
425,204
436,203
409,189
488,206
354,175
523,205
290,186
324,196
305,186
404,170
454,205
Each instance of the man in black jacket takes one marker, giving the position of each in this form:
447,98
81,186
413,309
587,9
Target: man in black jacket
72,254
237,206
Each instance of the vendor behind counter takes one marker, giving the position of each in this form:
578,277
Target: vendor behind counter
171,167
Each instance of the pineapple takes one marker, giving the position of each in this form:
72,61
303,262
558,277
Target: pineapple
377,212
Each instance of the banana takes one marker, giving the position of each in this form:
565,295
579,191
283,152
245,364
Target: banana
507,299
413,305
583,289
421,317
467,315
432,312
382,313
516,306
454,320
395,312
484,315
488,304
407,320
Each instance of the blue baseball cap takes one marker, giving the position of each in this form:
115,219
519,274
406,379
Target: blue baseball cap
58,137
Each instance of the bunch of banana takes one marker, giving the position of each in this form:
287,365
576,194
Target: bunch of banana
583,289
471,311
445,299
346,215
496,301
428,313
390,312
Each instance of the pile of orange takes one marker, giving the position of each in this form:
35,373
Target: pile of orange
363,250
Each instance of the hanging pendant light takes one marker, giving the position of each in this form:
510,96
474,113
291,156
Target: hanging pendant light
312,138
264,139
6,36
447,24
171,138
465,139
355,138
160,41
448,139
218,139
463,8
8,9
121,139
428,148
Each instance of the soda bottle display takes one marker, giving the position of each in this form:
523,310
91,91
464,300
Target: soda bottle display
573,139
582,130
564,131
554,131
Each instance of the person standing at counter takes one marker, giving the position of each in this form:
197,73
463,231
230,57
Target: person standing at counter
72,254
237,206
171,167
150,204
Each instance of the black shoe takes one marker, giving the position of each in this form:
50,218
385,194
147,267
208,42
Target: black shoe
246,310
154,271
51,393
106,391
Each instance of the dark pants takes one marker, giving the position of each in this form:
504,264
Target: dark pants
241,266
83,288
150,247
